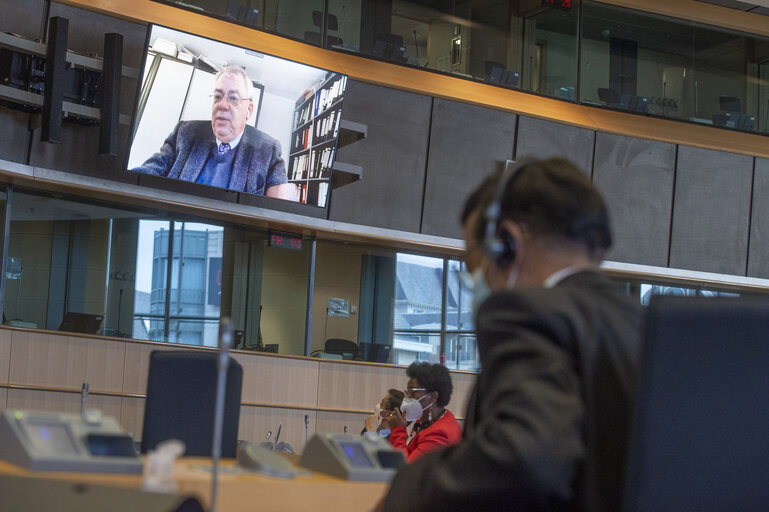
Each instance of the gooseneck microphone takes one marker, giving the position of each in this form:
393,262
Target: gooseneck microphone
225,343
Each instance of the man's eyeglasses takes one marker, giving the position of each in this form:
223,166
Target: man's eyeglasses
410,391
233,99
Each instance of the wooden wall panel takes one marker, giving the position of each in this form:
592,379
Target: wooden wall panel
35,400
255,422
298,386
276,380
5,355
334,422
356,386
463,388
66,361
137,364
132,416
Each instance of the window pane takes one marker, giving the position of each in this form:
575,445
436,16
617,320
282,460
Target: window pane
462,352
418,293
459,302
416,346
667,67
151,273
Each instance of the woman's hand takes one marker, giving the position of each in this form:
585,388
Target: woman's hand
396,419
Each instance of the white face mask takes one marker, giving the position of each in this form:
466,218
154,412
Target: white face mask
378,410
412,409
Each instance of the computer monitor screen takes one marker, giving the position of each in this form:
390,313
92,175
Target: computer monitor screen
219,115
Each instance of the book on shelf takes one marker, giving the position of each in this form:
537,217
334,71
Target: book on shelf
327,96
322,193
303,115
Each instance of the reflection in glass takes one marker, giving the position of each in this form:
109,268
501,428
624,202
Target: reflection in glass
183,306
298,19
650,64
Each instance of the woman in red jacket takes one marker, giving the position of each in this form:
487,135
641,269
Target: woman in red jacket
433,426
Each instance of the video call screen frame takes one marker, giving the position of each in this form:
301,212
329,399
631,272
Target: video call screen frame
288,144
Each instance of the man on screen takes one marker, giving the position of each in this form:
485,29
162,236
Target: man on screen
227,152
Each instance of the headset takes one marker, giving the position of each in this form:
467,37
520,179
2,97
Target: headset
499,245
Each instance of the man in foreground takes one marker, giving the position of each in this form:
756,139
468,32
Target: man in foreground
549,420
226,152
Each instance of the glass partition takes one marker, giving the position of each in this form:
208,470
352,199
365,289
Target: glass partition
595,53
101,269
297,19
82,266
665,67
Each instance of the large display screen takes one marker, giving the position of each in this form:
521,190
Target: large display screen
229,117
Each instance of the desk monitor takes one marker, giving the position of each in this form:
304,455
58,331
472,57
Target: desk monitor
701,432
81,322
282,117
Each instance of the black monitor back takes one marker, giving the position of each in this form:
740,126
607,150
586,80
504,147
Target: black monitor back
701,437
181,396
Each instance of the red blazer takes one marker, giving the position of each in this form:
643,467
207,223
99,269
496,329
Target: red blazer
443,432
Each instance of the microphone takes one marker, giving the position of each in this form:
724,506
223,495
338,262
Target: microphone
277,435
83,397
225,343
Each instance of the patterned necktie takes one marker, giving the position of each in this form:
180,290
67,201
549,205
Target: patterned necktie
223,148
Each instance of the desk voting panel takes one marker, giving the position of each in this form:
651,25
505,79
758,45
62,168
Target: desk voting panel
355,458
49,441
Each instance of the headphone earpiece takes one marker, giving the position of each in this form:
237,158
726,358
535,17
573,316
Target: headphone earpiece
506,256
499,244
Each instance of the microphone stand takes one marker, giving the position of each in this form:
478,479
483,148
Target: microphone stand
225,343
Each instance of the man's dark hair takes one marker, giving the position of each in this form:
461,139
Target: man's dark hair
394,399
432,377
549,197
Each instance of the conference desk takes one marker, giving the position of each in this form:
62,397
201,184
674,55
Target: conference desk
238,491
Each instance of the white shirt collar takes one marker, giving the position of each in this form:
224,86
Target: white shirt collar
560,275
233,143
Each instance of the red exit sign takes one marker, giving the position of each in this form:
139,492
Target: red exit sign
559,4
285,240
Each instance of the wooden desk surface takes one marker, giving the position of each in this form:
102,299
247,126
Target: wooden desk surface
242,491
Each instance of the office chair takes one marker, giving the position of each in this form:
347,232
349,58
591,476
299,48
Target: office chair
701,433
181,395
346,348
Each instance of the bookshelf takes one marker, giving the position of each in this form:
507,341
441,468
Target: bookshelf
316,128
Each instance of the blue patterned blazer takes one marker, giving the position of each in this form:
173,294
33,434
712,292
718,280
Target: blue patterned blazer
257,166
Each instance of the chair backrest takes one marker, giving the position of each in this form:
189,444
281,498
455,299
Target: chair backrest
181,395
701,436
346,348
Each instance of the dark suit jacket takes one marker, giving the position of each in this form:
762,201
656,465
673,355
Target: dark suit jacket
257,164
547,428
